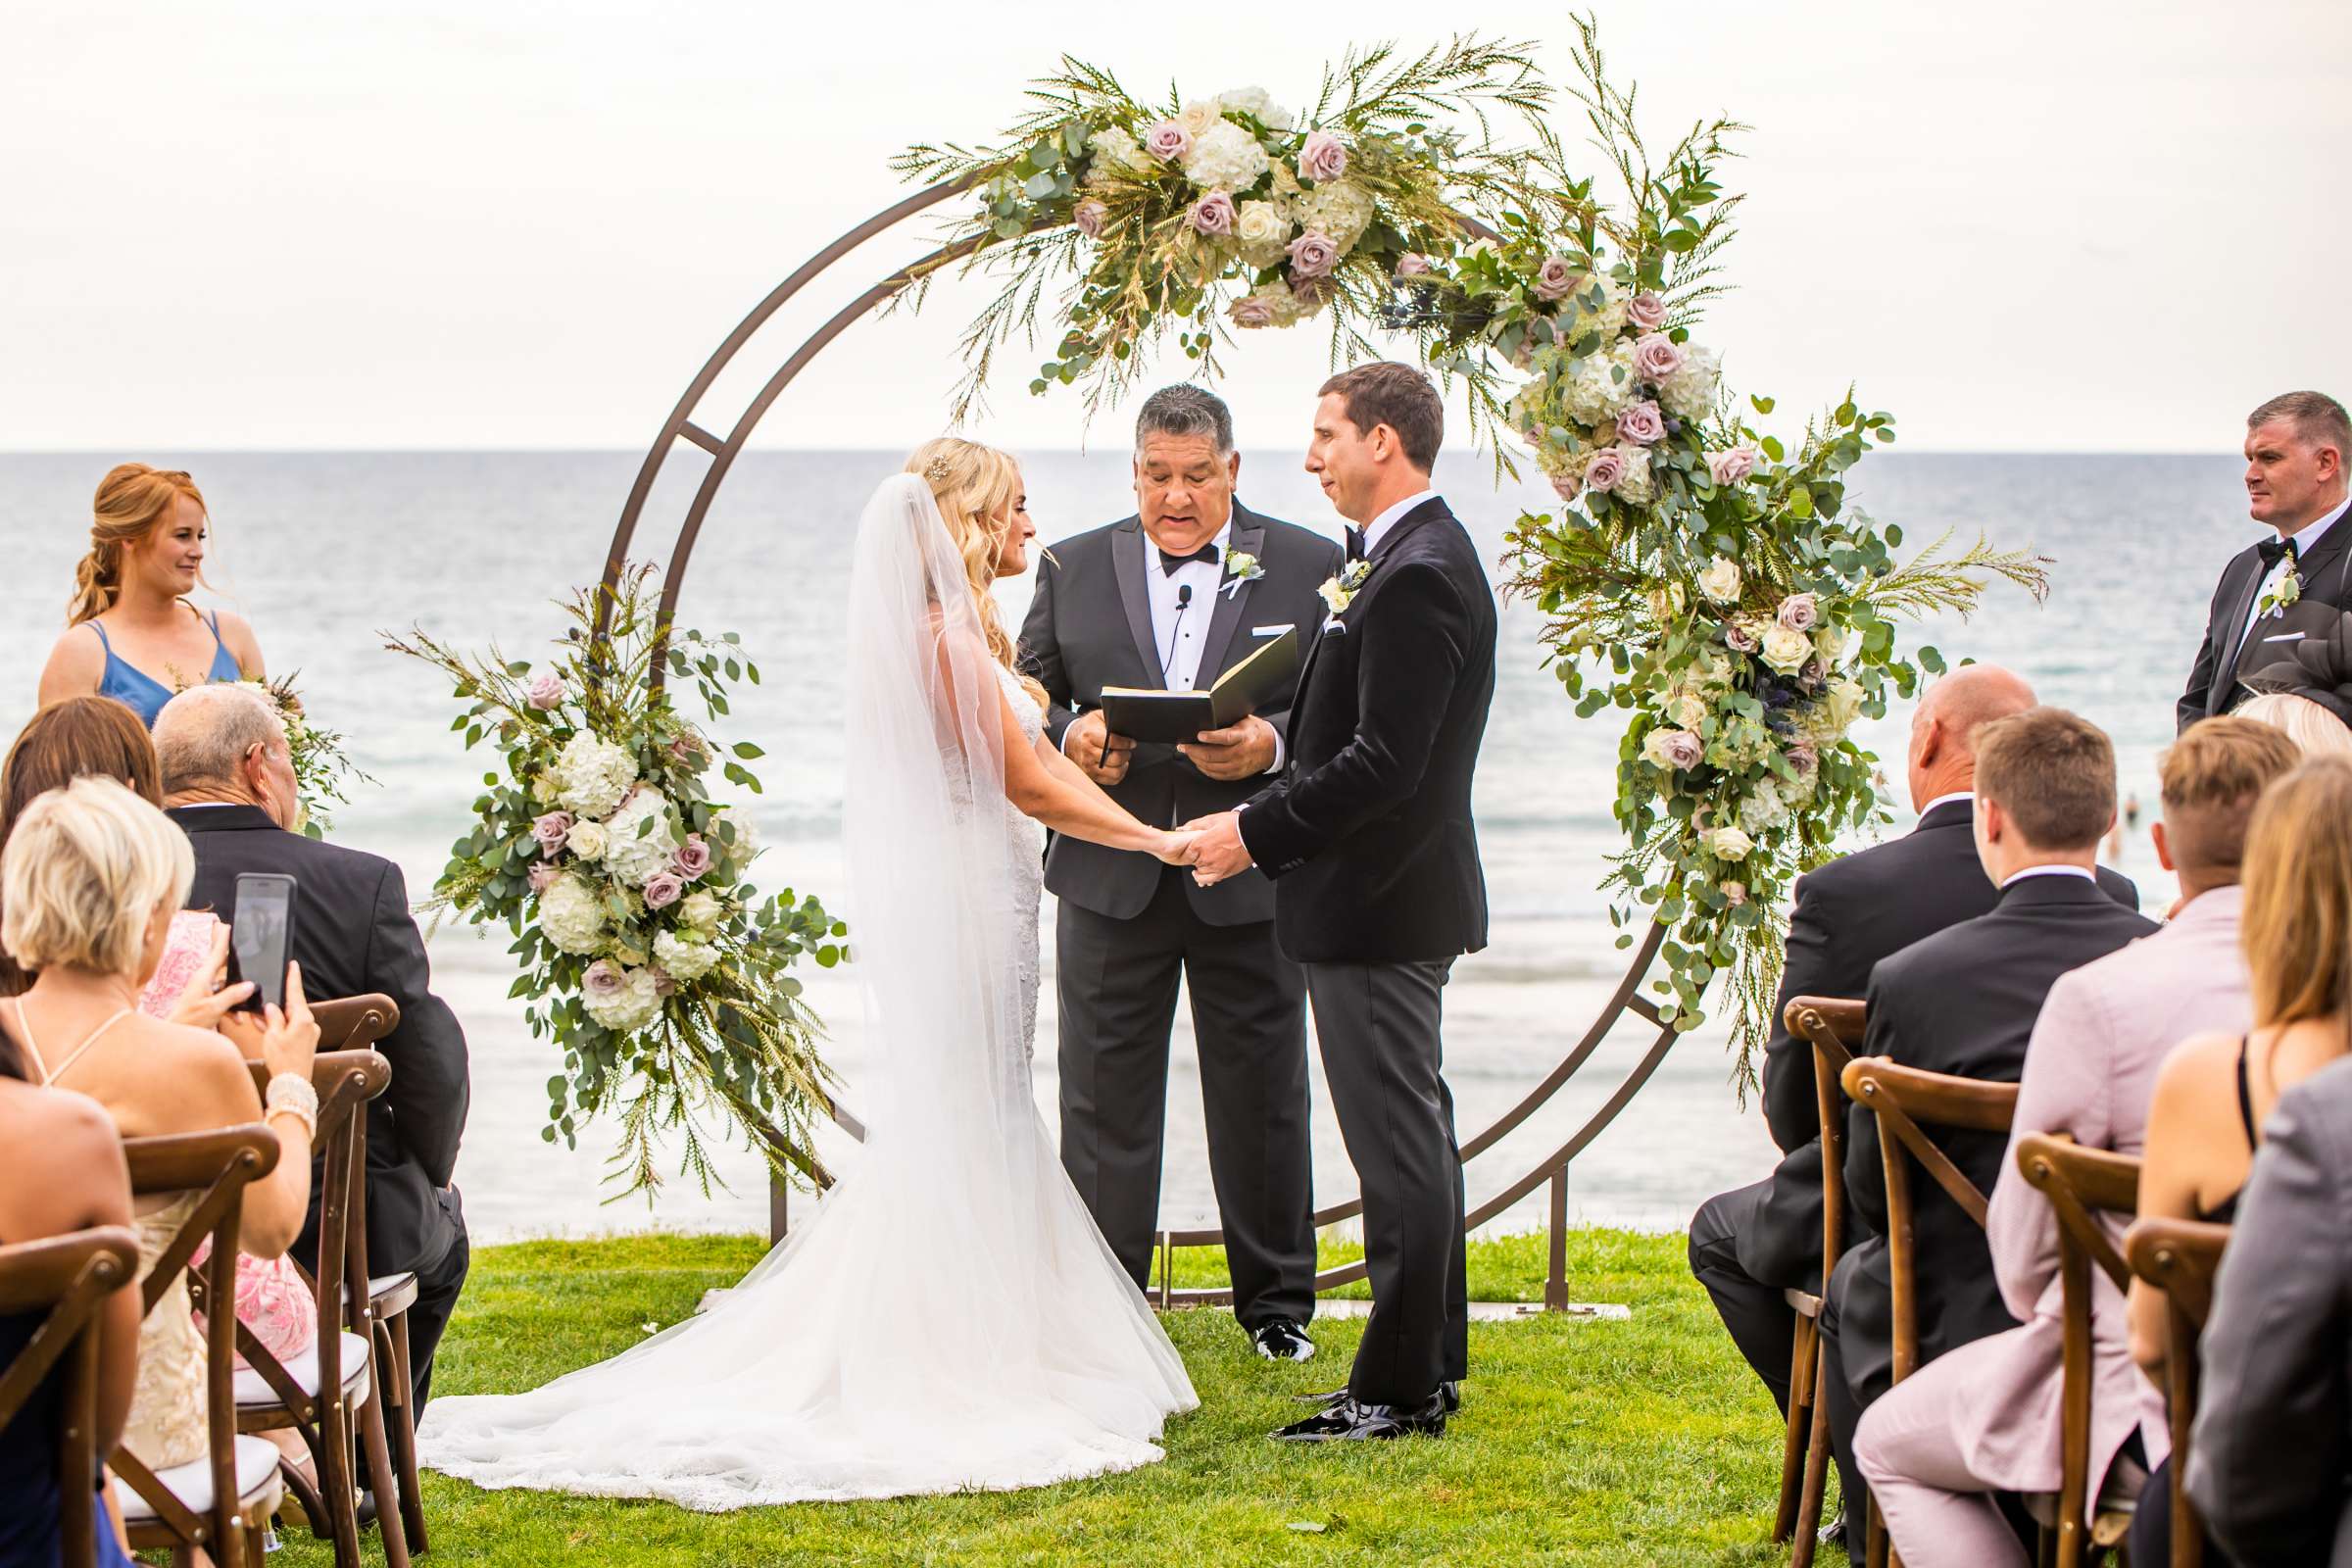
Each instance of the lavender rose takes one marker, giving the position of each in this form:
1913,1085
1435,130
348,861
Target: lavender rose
1800,612
1412,264
1213,213
1735,894
664,888
1642,423
1323,157
1732,467
1743,637
1313,255
1605,469
1674,750
1645,312
1089,216
546,691
1312,293
1167,142
693,858
543,876
603,980
1253,311
1656,357
1556,278
549,831
1567,486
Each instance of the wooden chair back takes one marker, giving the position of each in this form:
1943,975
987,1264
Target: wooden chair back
2179,1256
1832,1027
2081,1184
218,1165
1902,1098
354,1023
66,1278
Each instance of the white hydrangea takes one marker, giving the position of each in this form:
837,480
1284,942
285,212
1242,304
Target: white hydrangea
592,775
1763,810
1340,210
629,1008
1577,314
701,910
543,789
1264,234
1115,148
1689,392
746,838
571,916
631,857
1225,157
1600,385
1259,104
682,959
1634,486
1282,305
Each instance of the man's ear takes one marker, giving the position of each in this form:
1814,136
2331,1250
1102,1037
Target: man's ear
2164,847
1931,744
1233,466
1996,821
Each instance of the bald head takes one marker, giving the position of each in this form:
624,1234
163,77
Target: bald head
1944,725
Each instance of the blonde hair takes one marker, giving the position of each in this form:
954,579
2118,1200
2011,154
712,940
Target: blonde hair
87,867
976,487
2296,927
133,499
2315,732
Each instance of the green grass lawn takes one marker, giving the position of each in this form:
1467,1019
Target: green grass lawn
1596,1442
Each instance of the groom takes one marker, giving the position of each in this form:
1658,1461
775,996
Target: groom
1378,888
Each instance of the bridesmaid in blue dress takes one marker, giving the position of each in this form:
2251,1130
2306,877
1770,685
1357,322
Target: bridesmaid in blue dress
131,634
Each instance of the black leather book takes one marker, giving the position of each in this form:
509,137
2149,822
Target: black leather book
1147,715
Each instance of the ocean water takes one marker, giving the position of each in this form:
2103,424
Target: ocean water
326,551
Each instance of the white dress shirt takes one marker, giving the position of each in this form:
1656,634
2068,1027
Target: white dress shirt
2304,542
1389,518
2047,870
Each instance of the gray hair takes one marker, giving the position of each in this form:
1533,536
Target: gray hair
202,735
2317,417
1185,410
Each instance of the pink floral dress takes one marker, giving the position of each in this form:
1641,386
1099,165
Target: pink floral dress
272,1301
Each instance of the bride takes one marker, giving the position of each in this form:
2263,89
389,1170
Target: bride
950,1318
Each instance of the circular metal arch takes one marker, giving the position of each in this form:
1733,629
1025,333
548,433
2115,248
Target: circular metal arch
682,426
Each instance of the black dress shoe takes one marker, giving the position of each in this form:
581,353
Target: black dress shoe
1350,1420
1451,1393
1283,1339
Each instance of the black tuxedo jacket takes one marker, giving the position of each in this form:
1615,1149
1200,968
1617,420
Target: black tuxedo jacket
352,934
2327,578
1089,626
1847,915
1368,834
1962,1002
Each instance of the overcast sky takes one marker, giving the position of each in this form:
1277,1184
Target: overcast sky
2019,224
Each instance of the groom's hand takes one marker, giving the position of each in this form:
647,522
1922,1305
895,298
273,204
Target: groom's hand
1099,755
1219,852
1244,750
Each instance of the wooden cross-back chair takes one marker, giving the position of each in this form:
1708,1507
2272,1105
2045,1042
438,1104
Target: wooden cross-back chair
66,1279
2081,1184
2179,1256
336,1386
215,1505
1902,1098
1831,1026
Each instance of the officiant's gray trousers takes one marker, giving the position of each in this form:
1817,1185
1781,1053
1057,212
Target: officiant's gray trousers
1379,1026
1116,984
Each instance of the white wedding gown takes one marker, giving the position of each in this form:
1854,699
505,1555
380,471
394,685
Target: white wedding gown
950,1317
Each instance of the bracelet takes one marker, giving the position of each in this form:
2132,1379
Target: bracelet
292,1095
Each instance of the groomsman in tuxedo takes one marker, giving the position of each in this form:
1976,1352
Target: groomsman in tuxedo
1378,886
1172,597
2296,448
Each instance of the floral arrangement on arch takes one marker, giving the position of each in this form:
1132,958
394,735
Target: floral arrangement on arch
649,957
324,772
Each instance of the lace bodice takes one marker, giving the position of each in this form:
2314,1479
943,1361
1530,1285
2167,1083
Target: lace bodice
166,1424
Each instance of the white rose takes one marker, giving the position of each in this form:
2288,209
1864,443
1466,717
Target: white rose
701,910
683,959
1225,157
1721,580
1843,703
1198,118
1688,708
1787,651
572,917
1727,843
629,1008
587,840
1830,643
1264,234
1710,670
1689,394
637,840
592,775
1334,596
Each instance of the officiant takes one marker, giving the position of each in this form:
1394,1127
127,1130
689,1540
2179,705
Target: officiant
1171,597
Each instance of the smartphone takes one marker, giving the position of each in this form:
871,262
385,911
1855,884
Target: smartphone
261,937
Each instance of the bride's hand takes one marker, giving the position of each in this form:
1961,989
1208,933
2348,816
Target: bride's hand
1176,849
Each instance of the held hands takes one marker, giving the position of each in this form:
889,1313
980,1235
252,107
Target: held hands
1176,848
201,1005
1244,750
1099,755
285,1040
1217,848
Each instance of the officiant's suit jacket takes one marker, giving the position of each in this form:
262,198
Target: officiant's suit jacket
1369,831
1962,1002
353,934
1089,626
1848,914
2327,579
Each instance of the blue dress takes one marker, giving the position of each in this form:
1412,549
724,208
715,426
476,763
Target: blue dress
28,1500
141,692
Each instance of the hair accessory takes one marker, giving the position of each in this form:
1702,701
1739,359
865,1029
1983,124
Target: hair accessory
936,470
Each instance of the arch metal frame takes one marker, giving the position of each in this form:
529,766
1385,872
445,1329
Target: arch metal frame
682,426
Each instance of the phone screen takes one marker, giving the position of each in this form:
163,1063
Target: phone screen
258,936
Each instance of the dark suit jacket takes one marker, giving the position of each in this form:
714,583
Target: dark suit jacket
1089,626
1368,835
2272,1441
2327,575
1847,915
1963,1003
352,934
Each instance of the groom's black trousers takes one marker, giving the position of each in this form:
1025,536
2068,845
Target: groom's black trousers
1379,1026
1116,981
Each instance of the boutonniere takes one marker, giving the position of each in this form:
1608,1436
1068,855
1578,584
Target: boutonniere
1337,591
1241,566
2282,593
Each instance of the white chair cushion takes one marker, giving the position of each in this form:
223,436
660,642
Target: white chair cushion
253,1390
192,1484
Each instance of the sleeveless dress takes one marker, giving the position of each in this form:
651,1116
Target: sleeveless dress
30,1526
141,692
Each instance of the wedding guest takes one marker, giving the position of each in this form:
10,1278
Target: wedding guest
2296,447
2315,732
2271,1447
2217,1087
144,640
93,875
1963,1003
1748,1244
1984,1418
78,737
1172,597
61,1171
229,782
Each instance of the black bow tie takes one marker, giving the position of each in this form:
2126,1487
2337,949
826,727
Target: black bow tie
1355,544
2271,548
1168,563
